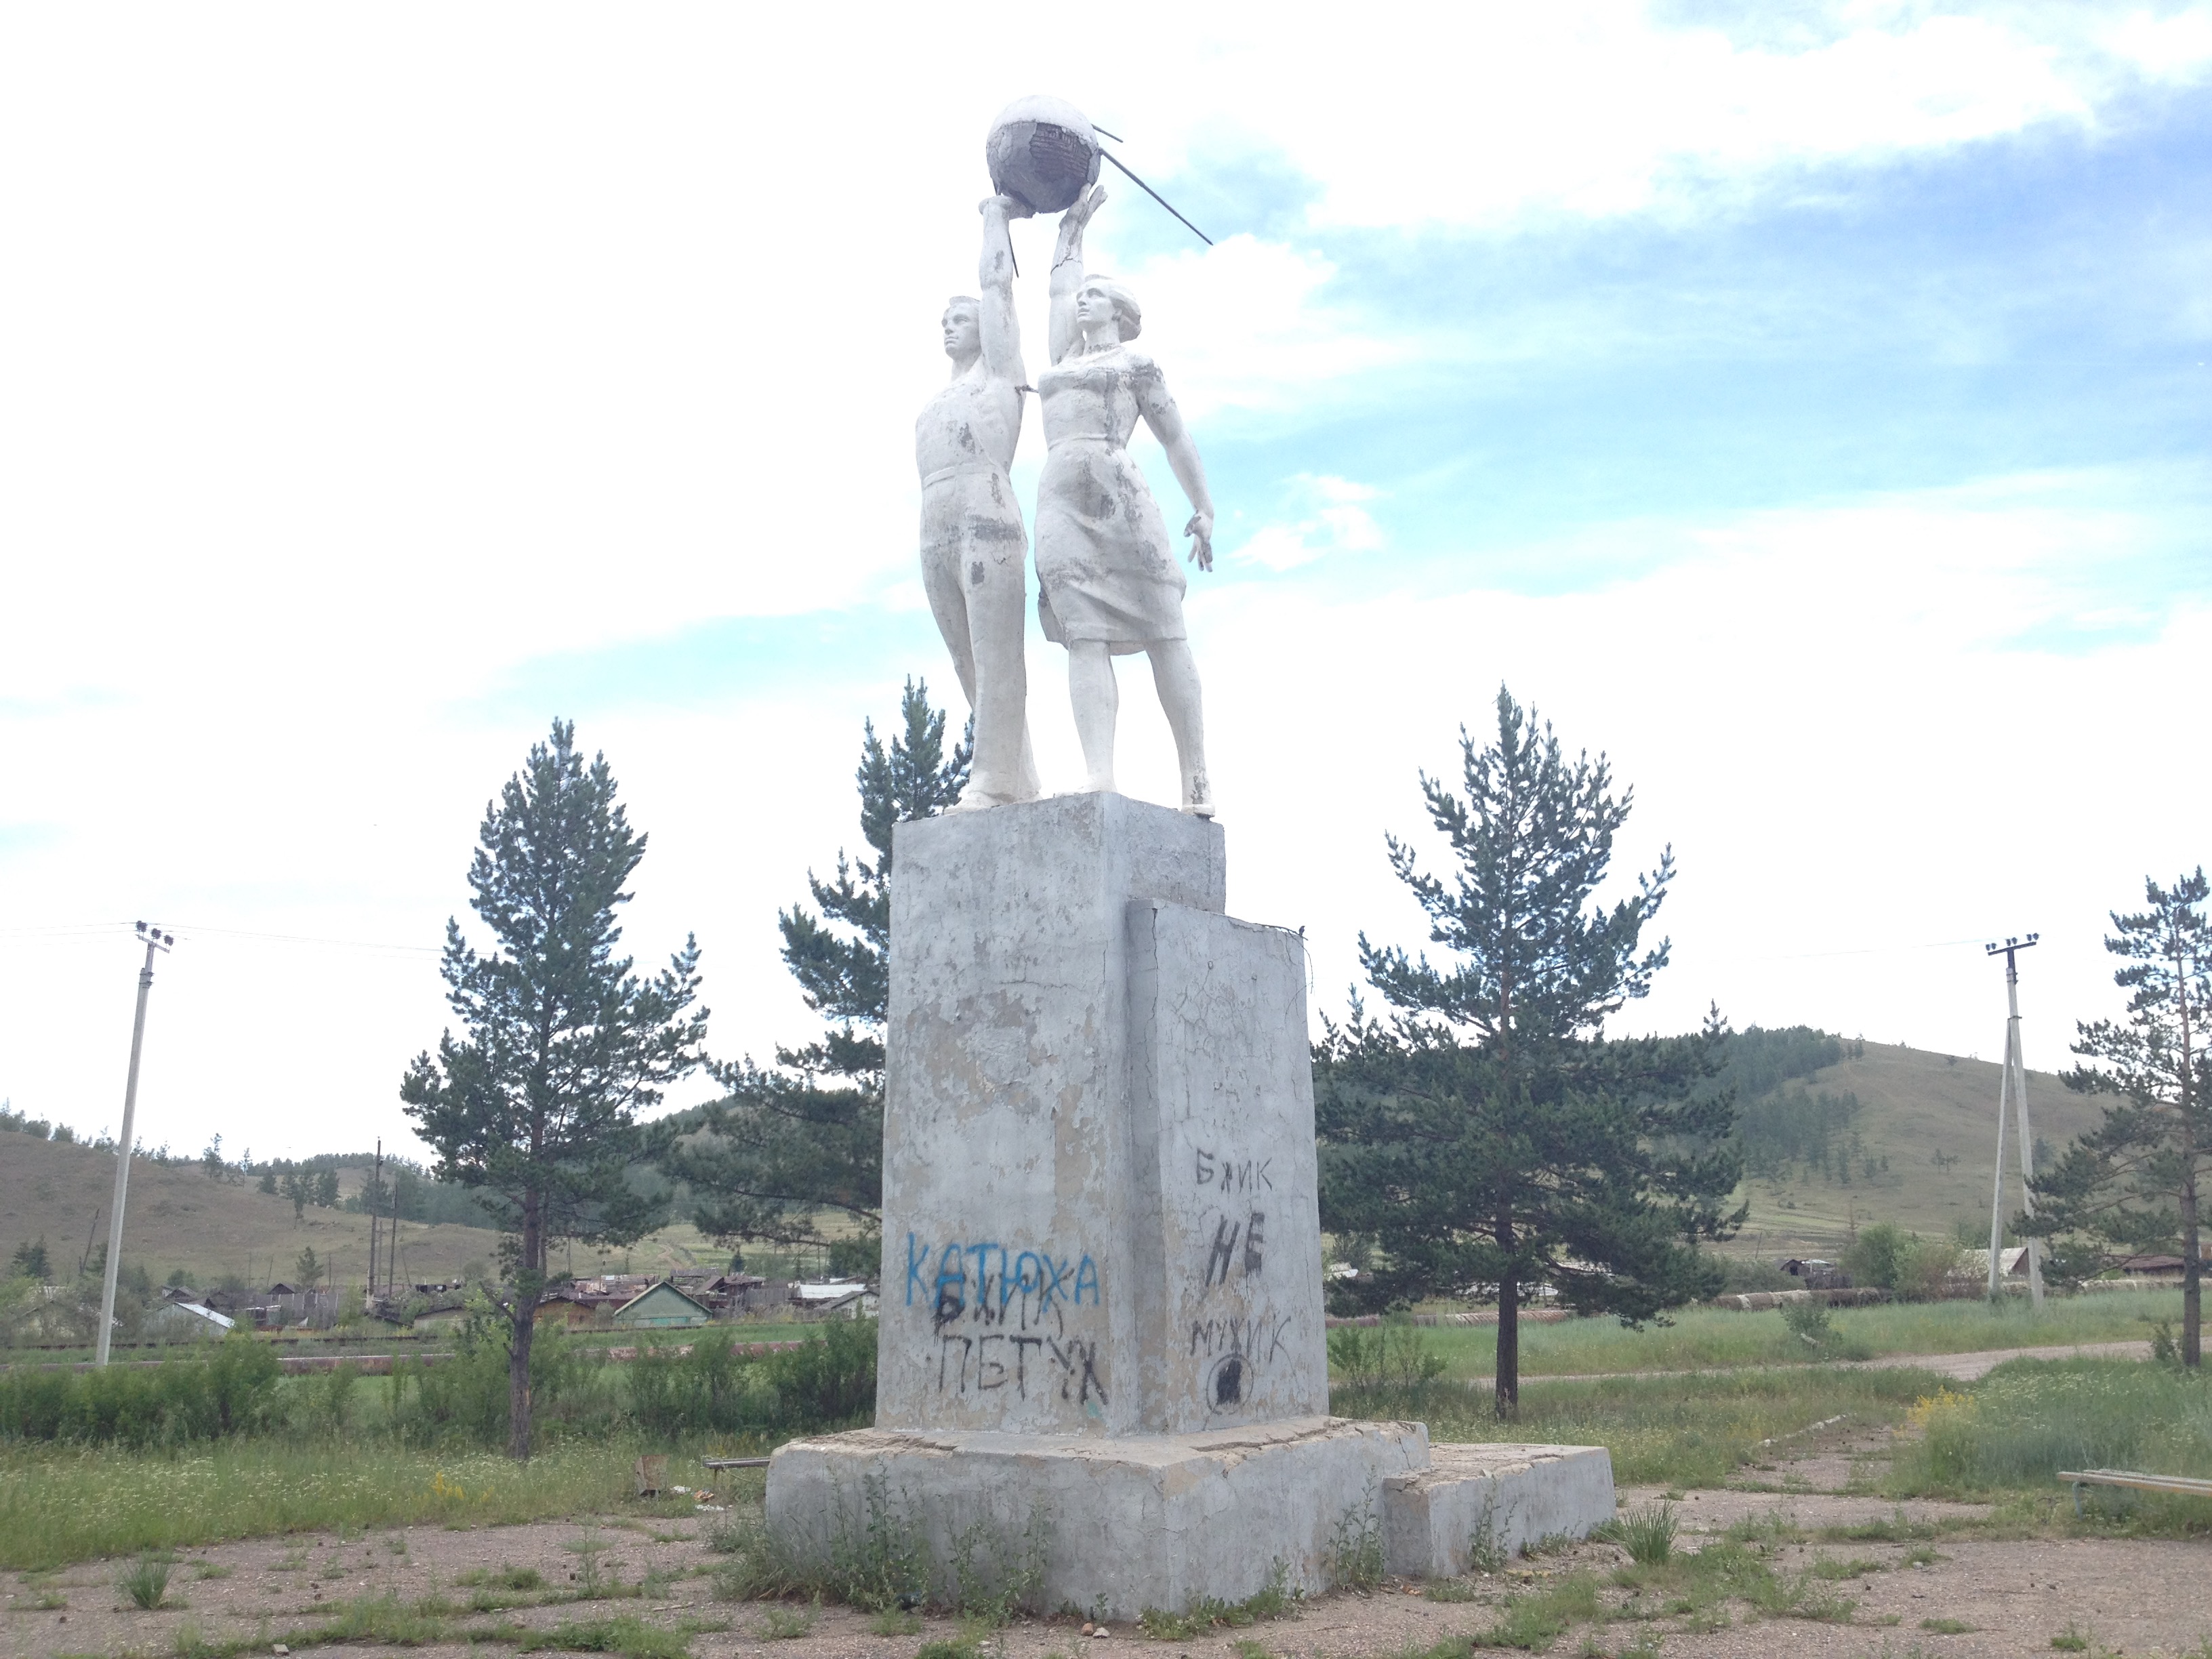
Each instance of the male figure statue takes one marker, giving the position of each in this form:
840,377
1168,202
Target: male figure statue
974,547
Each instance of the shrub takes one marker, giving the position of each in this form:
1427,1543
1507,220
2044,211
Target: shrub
229,1389
465,1398
827,1382
1810,1321
1907,1265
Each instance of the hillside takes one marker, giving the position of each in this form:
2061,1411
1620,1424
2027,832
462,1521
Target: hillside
178,1217
1933,1118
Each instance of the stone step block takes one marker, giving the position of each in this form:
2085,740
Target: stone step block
1474,1497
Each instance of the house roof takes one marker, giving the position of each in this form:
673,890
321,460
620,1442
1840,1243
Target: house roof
664,1288
833,1290
200,1310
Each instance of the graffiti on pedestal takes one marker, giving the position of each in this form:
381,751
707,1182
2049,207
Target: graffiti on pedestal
1233,1338
1000,1317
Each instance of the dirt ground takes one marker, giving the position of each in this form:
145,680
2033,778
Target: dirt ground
2138,1598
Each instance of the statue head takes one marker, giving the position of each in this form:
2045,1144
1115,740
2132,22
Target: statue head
1101,299
964,327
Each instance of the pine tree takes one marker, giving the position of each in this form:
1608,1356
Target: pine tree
1488,1136
2133,1182
31,1261
806,1134
536,1105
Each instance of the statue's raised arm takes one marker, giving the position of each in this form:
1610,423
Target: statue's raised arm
1000,328
1068,270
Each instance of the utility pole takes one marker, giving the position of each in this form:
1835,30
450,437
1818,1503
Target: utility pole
2012,1090
156,939
375,1181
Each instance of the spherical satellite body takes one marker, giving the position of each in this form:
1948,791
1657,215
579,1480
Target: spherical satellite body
1042,153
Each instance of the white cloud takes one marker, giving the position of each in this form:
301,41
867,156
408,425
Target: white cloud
1829,713
2171,46
1334,520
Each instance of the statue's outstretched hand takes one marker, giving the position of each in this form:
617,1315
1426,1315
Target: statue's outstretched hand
1200,530
1079,214
1012,206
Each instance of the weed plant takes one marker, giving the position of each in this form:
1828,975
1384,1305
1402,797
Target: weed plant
1272,1600
1355,1549
877,1560
1647,1534
147,1581
786,1624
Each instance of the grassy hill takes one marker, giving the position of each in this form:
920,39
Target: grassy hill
1933,1119
180,1217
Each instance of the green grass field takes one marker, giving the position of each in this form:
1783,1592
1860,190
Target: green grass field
66,1504
1673,1430
1706,1337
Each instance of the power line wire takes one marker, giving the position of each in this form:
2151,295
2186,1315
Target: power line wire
88,929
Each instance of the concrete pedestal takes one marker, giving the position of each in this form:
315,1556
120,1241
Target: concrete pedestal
1099,1200
1101,1321
1121,1524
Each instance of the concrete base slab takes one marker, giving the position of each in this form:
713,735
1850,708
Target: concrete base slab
1165,1520
1498,1498
1122,1524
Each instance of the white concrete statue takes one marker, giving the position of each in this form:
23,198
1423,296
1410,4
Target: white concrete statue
974,547
1107,579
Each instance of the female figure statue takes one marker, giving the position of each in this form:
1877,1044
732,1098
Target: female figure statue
1107,579
973,545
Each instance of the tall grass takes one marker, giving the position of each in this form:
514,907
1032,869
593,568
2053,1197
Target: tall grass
1672,1430
67,1504
2028,1421
234,1388
1706,1337
229,1388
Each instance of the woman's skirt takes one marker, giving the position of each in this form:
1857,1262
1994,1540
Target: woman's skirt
1105,568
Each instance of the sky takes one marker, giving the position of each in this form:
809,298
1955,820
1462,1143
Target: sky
1804,404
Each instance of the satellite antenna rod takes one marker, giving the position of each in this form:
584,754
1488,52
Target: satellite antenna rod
1148,189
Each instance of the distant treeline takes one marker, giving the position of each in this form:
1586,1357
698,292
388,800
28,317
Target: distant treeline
1778,1128
38,1128
407,1189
